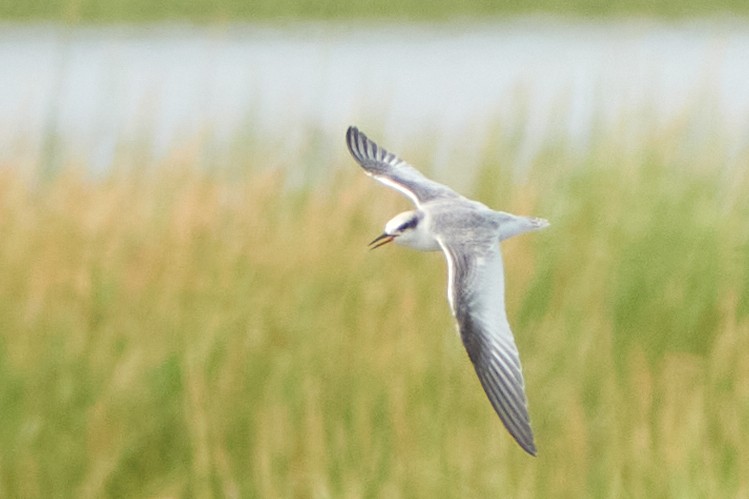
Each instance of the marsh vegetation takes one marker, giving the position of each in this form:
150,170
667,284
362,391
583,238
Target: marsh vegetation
188,327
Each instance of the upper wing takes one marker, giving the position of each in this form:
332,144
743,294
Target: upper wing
476,295
393,171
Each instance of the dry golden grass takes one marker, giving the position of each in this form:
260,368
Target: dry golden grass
173,332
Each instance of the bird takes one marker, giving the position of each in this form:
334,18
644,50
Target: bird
468,233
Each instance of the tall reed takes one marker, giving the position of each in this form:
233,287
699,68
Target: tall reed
182,331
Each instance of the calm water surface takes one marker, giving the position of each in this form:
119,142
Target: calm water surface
95,88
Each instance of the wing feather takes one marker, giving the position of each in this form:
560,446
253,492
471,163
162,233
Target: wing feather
476,295
393,171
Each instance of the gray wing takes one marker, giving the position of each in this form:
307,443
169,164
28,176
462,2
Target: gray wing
476,295
393,171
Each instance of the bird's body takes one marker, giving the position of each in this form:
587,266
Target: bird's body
468,233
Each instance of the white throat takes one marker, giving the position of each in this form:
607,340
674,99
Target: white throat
418,238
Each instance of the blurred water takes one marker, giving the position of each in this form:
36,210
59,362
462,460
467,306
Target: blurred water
95,87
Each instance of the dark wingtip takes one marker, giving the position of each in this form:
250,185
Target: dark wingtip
352,135
527,443
358,144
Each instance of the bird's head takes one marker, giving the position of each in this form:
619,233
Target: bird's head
402,227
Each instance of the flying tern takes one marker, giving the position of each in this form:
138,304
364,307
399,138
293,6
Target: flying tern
468,233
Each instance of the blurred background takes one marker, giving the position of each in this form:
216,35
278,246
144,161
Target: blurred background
188,307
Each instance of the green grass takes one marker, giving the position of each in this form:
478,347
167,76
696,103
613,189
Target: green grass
174,330
241,10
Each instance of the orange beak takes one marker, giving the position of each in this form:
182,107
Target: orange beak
381,240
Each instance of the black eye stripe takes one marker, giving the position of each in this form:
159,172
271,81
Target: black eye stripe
408,225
